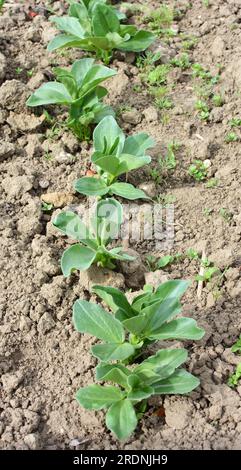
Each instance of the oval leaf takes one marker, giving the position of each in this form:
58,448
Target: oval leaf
50,93
91,318
77,257
182,328
140,42
121,419
91,186
127,191
179,382
112,352
104,20
106,135
97,397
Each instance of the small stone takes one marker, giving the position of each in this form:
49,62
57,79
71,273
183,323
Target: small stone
25,324
36,80
215,412
133,270
163,53
218,47
150,114
3,67
13,94
33,147
11,381
207,163
44,184
132,117
58,199
63,157
236,291
48,34
149,188
32,440
7,149
32,34
46,323
16,186
178,413
230,357
156,278
223,258
104,277
210,302
25,122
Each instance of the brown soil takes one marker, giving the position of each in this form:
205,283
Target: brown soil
43,360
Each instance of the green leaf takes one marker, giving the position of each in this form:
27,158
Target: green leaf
71,225
164,261
68,40
137,144
97,397
65,77
141,393
140,42
80,68
106,135
114,298
113,351
121,419
107,163
137,325
77,257
131,162
163,363
69,25
173,289
50,93
107,220
91,318
127,191
79,11
91,186
96,75
182,328
180,382
116,373
104,20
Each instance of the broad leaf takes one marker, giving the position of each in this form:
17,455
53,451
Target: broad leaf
77,257
97,397
140,42
141,393
107,220
80,68
163,363
137,144
116,373
127,191
96,75
107,163
121,419
113,351
173,289
91,186
79,11
114,298
182,328
107,135
131,162
68,40
91,318
104,20
179,382
50,93
71,225
69,25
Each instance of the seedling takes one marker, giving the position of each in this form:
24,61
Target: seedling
198,170
158,76
169,161
192,254
164,103
235,122
124,335
225,214
1,4
46,207
79,90
212,183
233,381
207,275
183,62
91,249
159,263
207,211
97,29
237,346
203,109
30,73
231,137
115,155
217,100
206,3
162,17
18,70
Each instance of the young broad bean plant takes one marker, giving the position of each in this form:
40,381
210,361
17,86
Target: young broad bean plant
92,241
98,30
79,90
124,336
113,156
